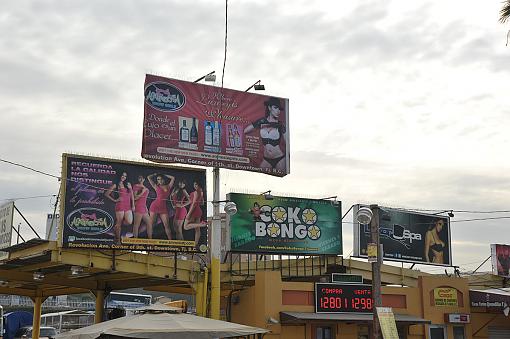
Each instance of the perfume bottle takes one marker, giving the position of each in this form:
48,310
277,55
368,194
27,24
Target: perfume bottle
194,132
208,133
230,136
184,132
237,137
216,134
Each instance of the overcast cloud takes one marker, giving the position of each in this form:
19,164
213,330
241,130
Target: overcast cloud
392,102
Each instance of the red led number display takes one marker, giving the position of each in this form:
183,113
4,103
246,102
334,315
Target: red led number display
332,298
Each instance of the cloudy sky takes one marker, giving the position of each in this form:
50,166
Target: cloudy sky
399,103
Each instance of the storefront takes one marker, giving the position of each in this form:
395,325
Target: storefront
490,311
437,308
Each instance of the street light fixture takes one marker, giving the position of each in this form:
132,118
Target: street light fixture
256,86
267,195
370,216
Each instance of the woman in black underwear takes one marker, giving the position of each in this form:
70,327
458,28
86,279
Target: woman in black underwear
272,131
434,246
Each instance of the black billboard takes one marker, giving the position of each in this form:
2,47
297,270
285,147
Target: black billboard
113,204
408,237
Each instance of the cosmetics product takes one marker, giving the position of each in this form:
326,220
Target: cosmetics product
216,134
208,133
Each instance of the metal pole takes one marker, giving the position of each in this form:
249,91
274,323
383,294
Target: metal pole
215,247
376,271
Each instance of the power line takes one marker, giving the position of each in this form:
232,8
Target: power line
32,197
30,168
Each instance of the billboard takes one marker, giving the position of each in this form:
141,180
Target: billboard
500,255
285,225
191,123
408,237
112,204
6,219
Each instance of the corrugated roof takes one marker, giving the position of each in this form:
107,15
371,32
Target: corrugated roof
295,318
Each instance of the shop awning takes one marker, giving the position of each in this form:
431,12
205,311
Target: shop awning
298,318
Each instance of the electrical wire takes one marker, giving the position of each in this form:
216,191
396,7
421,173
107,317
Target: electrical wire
32,197
30,168
225,48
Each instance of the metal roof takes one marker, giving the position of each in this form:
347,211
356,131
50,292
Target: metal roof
297,318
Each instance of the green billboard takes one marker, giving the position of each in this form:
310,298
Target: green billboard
285,225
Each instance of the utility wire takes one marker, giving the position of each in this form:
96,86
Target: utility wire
225,48
29,168
32,197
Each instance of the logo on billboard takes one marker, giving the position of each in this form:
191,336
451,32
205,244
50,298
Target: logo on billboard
90,221
290,223
164,97
398,233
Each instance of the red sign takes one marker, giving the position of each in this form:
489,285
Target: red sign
457,318
191,123
337,298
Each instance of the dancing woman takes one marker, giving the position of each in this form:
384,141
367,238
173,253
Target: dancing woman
180,199
121,193
272,130
434,246
158,206
194,216
140,193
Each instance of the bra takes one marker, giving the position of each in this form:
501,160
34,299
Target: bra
278,125
437,247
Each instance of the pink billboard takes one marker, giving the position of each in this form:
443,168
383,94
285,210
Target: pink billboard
196,124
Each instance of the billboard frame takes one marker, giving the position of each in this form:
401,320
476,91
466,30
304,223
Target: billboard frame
357,237
229,247
145,165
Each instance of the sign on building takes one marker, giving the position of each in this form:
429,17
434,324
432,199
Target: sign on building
285,225
446,296
6,220
408,237
339,298
191,123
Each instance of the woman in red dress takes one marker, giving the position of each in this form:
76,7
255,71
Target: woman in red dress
158,206
194,218
121,194
140,193
180,199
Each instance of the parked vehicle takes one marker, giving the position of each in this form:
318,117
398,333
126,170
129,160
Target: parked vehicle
45,332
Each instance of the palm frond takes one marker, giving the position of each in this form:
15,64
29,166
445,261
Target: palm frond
504,13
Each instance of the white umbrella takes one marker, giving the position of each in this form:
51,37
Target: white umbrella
161,322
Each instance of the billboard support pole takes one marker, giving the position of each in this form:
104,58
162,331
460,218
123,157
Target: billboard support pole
215,247
376,270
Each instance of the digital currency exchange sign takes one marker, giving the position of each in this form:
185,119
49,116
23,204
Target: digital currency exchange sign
196,124
112,204
340,298
285,225
408,237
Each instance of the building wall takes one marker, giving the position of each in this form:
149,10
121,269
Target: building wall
270,296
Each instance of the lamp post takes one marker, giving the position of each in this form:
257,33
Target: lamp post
370,216
230,208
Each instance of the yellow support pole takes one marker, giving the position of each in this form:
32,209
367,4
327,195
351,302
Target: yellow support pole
36,323
99,306
204,294
199,298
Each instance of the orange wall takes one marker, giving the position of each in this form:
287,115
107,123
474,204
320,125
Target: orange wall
270,296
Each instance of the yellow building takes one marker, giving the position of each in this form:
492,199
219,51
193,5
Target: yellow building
437,307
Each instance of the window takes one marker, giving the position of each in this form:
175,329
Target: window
437,332
458,332
324,332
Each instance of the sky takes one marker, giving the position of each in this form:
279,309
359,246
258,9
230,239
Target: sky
399,103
